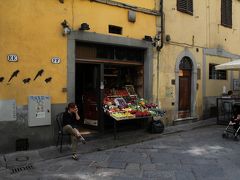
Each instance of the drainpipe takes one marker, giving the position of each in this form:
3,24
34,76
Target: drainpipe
159,47
162,24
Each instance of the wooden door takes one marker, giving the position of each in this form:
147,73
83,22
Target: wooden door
185,91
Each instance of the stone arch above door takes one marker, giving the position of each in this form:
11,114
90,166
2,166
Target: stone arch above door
186,53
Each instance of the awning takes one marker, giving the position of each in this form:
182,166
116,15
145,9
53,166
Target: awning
233,65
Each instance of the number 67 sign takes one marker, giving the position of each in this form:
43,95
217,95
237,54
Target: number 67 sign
55,60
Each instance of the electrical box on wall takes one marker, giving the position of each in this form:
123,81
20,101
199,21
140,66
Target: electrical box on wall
39,110
131,16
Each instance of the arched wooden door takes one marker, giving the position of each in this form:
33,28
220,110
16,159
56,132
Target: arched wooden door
185,79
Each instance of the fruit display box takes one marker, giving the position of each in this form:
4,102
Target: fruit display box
135,108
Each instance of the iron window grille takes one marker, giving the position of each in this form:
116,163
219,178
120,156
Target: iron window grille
217,74
185,64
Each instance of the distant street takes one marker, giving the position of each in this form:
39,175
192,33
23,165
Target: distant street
194,155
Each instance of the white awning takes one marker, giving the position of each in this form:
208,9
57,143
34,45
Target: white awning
233,65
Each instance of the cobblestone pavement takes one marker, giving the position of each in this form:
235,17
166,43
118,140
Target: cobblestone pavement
192,155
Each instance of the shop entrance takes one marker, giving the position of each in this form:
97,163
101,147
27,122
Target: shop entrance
102,72
88,93
185,88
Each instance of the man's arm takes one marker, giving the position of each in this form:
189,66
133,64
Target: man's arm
77,115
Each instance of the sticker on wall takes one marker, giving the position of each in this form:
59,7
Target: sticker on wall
12,58
47,80
27,80
40,72
169,92
14,74
1,79
56,60
40,115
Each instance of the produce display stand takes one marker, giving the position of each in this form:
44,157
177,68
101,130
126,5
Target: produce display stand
118,120
124,105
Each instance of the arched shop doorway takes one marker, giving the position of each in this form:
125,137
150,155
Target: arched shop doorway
185,84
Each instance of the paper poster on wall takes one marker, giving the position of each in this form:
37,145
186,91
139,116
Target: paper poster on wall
39,110
236,85
8,110
169,92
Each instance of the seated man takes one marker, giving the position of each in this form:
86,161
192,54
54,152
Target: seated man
70,116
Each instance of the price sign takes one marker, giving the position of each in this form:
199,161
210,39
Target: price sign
56,60
12,58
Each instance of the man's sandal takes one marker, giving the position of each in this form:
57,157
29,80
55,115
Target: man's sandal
83,140
75,157
80,138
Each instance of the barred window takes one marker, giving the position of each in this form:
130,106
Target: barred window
186,63
226,13
185,6
217,74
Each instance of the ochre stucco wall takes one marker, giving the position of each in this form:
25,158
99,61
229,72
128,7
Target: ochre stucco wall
220,36
142,3
182,27
215,87
204,25
167,66
33,31
202,30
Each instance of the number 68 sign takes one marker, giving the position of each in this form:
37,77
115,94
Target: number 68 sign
55,60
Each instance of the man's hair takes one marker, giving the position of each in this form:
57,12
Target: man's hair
230,92
71,105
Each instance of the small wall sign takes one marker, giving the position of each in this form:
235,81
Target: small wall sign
236,84
56,60
12,57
